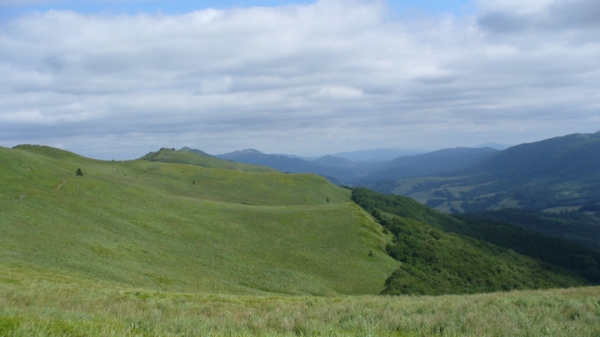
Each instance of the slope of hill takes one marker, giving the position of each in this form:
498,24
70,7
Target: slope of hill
570,156
440,253
552,174
182,227
432,163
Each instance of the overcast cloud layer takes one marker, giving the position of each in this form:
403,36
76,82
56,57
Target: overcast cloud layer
333,76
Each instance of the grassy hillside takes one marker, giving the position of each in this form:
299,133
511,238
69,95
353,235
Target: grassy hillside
182,227
441,254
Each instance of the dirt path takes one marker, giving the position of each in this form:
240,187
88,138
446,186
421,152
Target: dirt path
61,185
235,167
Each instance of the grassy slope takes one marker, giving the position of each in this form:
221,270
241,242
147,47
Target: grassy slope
147,224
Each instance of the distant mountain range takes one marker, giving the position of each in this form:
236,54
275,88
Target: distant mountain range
344,171
556,174
376,155
432,163
545,175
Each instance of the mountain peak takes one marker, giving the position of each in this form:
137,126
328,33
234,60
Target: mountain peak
250,151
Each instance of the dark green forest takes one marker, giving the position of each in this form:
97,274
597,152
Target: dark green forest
580,226
443,254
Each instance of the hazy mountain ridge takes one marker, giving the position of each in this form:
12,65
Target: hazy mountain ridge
348,172
567,156
557,172
376,155
443,161
337,170
283,163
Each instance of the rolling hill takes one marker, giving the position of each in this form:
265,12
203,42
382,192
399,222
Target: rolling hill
185,228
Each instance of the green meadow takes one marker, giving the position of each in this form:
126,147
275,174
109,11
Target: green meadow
178,244
181,227
62,306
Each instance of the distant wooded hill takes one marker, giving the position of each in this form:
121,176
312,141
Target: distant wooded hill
557,174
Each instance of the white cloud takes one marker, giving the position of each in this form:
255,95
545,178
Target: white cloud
339,92
331,76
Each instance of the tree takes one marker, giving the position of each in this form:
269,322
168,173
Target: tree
79,173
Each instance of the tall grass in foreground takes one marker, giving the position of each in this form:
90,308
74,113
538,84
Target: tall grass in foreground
43,308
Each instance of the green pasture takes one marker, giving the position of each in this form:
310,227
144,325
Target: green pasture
183,227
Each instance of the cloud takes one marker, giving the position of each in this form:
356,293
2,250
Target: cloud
561,17
330,76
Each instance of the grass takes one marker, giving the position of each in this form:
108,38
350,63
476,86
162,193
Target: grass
180,227
68,307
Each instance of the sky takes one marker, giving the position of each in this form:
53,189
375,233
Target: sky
116,79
